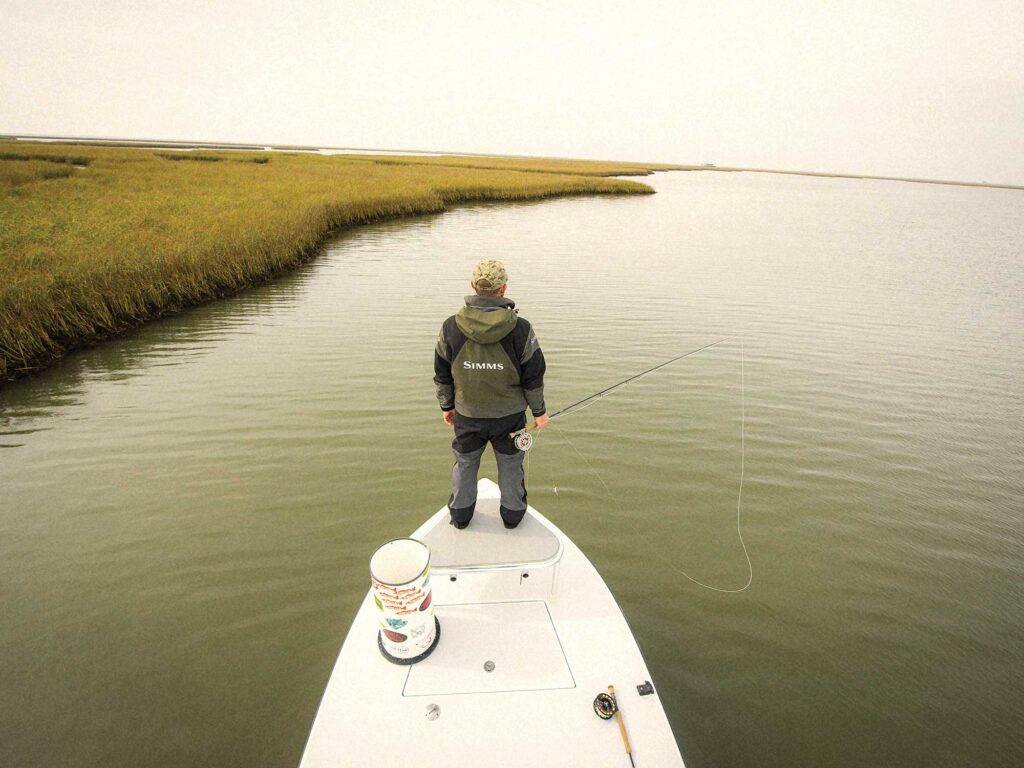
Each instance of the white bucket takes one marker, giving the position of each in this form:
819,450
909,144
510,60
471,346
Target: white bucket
400,574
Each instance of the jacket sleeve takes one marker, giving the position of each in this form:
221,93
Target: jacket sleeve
444,384
533,367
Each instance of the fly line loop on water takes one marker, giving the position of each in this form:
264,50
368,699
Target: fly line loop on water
586,402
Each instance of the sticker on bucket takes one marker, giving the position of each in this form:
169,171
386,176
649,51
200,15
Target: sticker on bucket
399,573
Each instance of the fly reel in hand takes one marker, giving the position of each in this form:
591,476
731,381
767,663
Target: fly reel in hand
523,440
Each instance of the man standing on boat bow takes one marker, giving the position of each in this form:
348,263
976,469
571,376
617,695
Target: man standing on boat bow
487,368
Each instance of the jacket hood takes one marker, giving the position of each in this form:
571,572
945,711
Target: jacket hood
487,319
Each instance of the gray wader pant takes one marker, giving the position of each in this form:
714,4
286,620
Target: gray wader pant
471,438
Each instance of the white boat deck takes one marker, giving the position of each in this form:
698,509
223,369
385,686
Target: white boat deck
530,635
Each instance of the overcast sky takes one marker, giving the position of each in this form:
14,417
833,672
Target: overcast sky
931,88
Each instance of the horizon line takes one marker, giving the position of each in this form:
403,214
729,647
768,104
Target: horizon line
263,147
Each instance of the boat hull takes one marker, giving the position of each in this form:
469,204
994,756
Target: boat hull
530,634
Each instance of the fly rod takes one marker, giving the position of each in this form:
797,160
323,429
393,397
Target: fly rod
606,705
523,439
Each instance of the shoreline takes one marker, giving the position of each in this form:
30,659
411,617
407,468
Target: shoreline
78,302
130,237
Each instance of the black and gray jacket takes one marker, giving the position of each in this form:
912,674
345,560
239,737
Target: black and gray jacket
488,363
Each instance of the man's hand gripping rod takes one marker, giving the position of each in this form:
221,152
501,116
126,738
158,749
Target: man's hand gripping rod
523,439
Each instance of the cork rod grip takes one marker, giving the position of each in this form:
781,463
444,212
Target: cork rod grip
622,724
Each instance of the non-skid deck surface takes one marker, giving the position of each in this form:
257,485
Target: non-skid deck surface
487,542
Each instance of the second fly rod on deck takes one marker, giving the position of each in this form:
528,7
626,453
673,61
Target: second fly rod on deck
523,439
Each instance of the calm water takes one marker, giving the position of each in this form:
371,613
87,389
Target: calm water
186,513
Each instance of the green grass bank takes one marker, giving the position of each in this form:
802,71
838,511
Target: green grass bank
96,240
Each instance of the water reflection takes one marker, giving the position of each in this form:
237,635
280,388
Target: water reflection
185,522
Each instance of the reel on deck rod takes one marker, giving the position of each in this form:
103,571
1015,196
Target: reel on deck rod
605,706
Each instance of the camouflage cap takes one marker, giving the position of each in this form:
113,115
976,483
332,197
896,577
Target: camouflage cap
489,275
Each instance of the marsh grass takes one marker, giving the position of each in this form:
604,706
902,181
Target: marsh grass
14,173
198,158
46,157
96,250
193,156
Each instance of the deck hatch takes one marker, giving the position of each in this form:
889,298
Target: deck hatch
519,638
